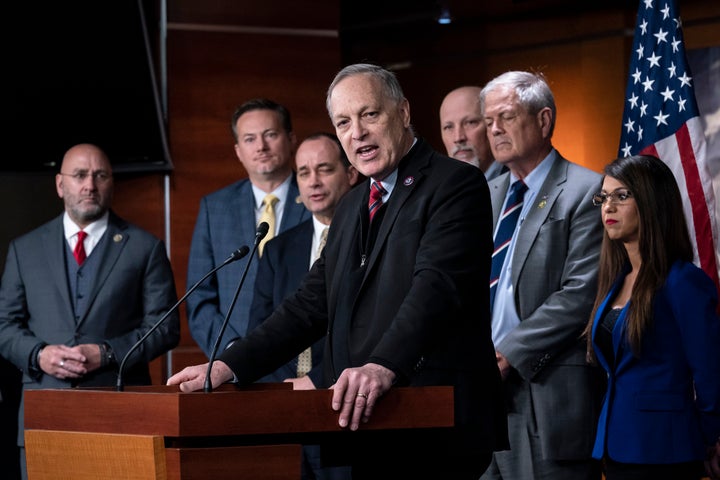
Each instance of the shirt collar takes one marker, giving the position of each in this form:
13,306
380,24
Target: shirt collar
536,178
281,192
318,228
95,230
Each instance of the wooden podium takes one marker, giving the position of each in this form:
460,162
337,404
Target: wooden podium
157,432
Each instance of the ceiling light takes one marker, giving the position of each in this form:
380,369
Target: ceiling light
444,18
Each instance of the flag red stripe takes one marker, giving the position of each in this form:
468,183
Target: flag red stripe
696,195
702,236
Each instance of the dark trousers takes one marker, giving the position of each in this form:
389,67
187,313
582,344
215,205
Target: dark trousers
672,471
421,470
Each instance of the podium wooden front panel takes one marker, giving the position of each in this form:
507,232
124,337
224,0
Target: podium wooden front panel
85,456
256,432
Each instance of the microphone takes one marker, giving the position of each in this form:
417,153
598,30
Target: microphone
260,232
234,256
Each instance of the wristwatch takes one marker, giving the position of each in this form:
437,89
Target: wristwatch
35,371
107,356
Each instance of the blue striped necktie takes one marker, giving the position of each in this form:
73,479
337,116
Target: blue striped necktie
375,201
508,221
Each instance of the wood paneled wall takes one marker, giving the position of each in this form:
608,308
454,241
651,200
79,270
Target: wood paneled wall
210,72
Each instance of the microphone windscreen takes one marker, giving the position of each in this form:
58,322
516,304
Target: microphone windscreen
262,230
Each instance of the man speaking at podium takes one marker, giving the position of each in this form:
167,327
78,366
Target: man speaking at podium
400,290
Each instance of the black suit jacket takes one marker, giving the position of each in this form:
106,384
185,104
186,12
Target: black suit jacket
285,262
420,309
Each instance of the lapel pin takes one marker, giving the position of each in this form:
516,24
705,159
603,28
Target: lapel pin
543,202
408,181
117,238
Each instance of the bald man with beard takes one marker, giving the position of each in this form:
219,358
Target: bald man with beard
463,130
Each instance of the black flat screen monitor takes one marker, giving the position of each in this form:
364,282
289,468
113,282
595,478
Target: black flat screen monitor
82,71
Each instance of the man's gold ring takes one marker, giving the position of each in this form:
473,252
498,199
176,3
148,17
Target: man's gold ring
363,395
62,363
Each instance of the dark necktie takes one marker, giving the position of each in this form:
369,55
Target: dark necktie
79,252
508,222
375,201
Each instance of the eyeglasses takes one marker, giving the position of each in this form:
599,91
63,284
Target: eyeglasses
80,177
618,197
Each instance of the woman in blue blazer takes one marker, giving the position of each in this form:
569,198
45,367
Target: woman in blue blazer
655,330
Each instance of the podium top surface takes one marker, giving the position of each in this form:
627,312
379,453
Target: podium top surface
268,409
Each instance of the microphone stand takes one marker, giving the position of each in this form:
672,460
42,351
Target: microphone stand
260,233
236,255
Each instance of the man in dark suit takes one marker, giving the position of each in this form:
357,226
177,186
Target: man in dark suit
324,175
228,218
544,288
397,295
67,320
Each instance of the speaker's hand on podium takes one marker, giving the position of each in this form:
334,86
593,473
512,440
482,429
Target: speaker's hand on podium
357,391
193,378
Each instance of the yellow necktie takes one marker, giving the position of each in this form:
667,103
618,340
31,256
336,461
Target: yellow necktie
305,358
268,215
321,245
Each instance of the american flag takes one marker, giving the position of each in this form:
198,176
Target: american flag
661,118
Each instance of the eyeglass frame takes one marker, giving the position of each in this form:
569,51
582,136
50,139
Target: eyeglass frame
618,197
99,176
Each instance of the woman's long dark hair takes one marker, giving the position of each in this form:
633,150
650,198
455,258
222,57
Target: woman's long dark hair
663,239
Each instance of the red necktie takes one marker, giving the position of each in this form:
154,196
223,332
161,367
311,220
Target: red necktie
375,201
79,251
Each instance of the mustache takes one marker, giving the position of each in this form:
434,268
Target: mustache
463,146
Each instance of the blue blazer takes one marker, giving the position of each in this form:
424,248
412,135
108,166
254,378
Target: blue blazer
664,407
226,221
285,261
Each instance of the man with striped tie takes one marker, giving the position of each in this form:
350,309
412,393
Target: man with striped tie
542,285
402,298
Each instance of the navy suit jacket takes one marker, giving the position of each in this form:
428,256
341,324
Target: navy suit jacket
418,308
664,406
285,262
226,221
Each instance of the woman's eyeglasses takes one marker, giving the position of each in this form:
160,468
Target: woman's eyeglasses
618,197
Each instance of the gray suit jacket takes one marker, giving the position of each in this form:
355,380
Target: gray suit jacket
554,276
226,221
133,288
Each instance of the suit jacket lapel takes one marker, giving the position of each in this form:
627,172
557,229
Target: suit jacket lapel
538,214
243,215
409,176
113,243
55,251
297,257
498,190
294,211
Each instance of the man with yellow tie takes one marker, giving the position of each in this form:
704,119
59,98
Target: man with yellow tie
324,175
228,218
